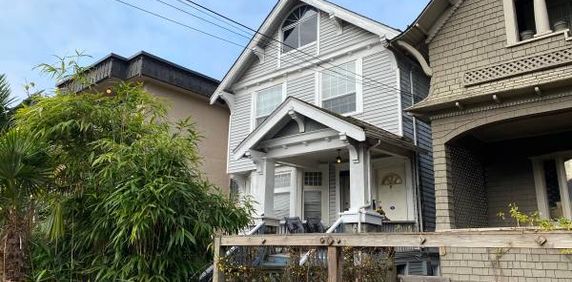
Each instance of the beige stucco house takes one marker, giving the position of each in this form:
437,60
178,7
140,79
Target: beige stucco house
186,92
500,108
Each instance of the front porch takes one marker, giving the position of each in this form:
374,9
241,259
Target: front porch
524,161
316,165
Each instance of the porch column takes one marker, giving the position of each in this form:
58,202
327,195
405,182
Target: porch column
541,17
264,187
296,193
444,201
359,175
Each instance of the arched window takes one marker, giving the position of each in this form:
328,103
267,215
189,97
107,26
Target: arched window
300,28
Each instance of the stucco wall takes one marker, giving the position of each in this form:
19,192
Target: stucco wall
489,264
211,122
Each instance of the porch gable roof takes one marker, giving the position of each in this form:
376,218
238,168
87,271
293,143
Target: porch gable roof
351,127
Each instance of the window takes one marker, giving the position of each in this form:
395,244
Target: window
559,14
266,101
313,204
553,177
313,178
524,20
300,28
282,184
339,88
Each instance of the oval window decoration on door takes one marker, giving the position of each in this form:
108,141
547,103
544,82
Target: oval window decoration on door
391,179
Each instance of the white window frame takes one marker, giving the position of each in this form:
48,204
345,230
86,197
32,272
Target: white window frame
324,190
254,97
285,190
511,27
281,32
359,86
540,184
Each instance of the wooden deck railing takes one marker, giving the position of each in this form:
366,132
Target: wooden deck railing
532,239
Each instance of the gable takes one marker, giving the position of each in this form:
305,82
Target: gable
329,40
264,48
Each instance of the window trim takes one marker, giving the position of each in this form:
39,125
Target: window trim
511,27
281,32
254,94
540,186
359,87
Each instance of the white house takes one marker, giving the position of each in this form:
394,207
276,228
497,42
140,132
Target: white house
317,125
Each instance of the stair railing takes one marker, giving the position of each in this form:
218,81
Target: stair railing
207,274
332,229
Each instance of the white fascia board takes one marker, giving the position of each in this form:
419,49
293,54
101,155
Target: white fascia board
353,131
247,52
353,18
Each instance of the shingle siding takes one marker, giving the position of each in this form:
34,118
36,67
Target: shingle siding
475,37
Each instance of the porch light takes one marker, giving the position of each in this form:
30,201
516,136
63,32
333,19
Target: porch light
338,158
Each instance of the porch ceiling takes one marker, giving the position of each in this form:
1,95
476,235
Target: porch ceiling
524,127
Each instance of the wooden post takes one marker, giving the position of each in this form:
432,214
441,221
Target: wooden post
218,276
335,264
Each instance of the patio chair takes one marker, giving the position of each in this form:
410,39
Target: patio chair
294,225
314,225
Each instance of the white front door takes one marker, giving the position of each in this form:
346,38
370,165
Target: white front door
315,193
393,190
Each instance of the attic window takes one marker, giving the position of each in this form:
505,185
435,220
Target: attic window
300,28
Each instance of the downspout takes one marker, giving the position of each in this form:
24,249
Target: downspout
416,158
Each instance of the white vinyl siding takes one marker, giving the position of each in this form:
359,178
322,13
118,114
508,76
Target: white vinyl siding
380,103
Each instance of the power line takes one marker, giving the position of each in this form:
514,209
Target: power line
179,23
342,76
204,32
285,44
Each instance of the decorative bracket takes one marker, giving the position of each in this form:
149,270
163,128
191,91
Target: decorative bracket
339,23
229,99
420,59
259,52
257,158
351,148
299,119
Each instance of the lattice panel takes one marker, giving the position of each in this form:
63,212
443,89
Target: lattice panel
469,194
517,67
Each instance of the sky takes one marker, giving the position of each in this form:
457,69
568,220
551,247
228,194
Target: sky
35,31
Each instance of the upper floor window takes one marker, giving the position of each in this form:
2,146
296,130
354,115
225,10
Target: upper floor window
266,101
340,90
300,28
528,19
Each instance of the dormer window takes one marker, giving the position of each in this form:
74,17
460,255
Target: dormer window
300,28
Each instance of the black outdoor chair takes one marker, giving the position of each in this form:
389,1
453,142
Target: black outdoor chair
314,225
294,225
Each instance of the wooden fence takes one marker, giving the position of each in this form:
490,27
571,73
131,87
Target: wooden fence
531,239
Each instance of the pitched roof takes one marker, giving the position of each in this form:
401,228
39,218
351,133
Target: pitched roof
144,64
354,128
274,19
